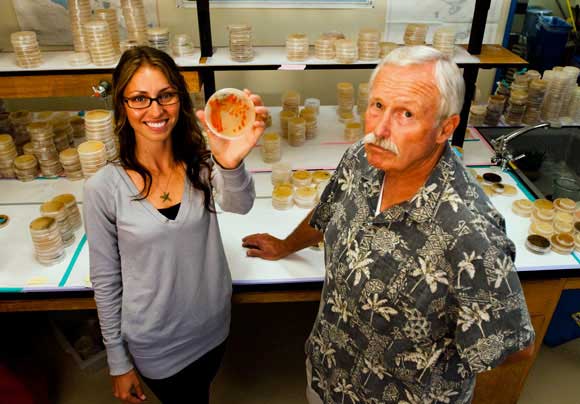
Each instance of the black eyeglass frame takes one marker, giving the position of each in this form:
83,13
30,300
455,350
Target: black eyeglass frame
156,99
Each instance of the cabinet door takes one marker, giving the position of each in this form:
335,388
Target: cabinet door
503,385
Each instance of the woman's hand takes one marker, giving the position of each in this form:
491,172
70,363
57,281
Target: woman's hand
230,153
127,388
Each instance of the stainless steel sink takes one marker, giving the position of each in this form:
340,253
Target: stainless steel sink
557,148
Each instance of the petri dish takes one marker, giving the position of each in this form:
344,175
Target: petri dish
230,113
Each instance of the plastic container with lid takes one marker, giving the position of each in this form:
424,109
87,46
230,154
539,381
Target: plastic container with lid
230,113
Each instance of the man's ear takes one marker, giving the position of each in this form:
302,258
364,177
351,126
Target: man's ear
447,128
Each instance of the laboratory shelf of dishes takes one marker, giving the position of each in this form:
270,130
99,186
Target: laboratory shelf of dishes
21,201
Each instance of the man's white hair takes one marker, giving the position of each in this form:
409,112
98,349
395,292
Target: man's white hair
448,77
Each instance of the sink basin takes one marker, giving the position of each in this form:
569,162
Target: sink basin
558,150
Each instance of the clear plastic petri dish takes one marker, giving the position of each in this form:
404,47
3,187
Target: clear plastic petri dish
230,113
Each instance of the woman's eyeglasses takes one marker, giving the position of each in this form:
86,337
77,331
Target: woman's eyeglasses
141,102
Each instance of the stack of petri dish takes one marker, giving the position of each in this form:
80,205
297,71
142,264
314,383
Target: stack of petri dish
516,107
521,82
297,47
477,115
494,110
93,156
128,44
28,148
99,127
324,48
63,131
109,15
301,178
26,167
571,73
444,40
77,123
345,117
533,75
58,212
362,99
415,34
47,241
42,139
158,38
346,51
285,117
536,94
69,158
305,197
78,59
368,44
281,173
311,124
241,42
72,210
321,176
7,155
296,131
135,20
313,103
271,151
26,49
291,101
353,131
574,110
554,100
182,45
282,197
345,96
100,43
80,13
386,48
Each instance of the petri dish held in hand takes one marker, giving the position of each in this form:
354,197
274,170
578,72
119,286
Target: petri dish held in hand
229,113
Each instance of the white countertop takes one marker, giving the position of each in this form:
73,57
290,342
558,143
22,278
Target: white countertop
20,201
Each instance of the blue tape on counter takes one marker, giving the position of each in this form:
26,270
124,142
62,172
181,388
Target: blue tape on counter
575,255
73,261
521,187
10,290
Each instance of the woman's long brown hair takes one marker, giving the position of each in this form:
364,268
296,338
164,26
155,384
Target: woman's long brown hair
188,144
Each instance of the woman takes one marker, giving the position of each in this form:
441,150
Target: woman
158,268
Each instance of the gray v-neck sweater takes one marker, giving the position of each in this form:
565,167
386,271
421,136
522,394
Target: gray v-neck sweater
162,287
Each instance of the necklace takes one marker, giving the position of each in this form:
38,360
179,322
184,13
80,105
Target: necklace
165,195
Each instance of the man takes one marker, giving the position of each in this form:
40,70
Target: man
420,292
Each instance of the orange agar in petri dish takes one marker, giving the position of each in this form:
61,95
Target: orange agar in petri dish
230,113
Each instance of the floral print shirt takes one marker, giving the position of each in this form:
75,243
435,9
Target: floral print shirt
417,299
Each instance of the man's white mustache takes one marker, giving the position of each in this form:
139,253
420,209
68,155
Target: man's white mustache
383,143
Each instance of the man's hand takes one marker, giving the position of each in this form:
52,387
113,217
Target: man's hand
127,388
265,246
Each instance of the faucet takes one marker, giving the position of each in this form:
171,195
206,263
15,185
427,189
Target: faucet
503,156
